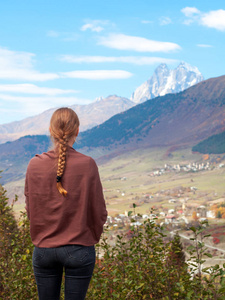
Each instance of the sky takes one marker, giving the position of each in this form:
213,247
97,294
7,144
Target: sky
60,53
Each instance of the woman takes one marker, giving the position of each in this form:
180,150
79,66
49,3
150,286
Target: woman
66,208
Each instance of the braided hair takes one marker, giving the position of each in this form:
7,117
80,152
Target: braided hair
64,126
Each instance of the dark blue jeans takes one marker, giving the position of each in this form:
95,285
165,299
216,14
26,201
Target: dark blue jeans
77,261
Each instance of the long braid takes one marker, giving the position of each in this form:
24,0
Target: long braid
61,164
64,126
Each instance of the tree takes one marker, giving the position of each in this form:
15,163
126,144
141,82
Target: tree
219,214
16,274
177,252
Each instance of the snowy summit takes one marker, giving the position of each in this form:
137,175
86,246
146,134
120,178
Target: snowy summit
165,81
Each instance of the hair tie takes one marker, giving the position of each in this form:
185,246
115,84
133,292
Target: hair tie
58,178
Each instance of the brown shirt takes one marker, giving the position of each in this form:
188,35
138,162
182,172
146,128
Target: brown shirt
55,220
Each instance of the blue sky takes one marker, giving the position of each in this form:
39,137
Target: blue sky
60,53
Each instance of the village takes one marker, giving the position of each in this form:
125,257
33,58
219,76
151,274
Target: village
178,219
176,208
177,205
179,216
191,167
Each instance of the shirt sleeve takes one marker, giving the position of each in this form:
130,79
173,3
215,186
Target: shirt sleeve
26,193
97,207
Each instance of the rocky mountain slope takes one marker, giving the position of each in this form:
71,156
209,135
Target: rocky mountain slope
183,118
165,81
90,115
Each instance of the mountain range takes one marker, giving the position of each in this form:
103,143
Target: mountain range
90,115
174,120
162,82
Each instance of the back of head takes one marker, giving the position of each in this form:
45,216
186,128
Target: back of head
64,126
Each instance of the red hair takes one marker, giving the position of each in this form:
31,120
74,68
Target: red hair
64,125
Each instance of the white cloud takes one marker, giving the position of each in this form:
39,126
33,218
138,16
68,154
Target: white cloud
165,21
12,59
190,11
27,88
139,44
188,21
19,66
136,60
192,14
213,19
44,99
92,27
27,75
27,106
204,46
95,25
98,74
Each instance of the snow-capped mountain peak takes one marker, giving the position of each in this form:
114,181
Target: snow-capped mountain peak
188,67
98,99
164,81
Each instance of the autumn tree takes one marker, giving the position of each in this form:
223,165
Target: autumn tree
219,210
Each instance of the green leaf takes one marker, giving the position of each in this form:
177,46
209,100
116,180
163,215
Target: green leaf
192,228
207,235
208,254
140,286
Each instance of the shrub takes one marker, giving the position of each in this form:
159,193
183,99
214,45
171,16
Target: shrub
143,264
16,276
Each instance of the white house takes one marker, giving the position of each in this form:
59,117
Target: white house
210,214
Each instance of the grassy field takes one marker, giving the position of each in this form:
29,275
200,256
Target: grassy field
127,179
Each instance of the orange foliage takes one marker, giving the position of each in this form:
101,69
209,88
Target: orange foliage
194,216
205,156
219,210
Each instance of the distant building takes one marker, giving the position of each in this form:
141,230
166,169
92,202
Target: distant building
170,219
210,214
172,201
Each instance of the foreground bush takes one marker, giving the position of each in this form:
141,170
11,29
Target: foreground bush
142,265
148,267
16,276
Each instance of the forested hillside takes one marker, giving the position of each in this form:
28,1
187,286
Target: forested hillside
215,144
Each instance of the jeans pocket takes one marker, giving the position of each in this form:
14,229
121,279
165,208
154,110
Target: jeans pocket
77,252
38,254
